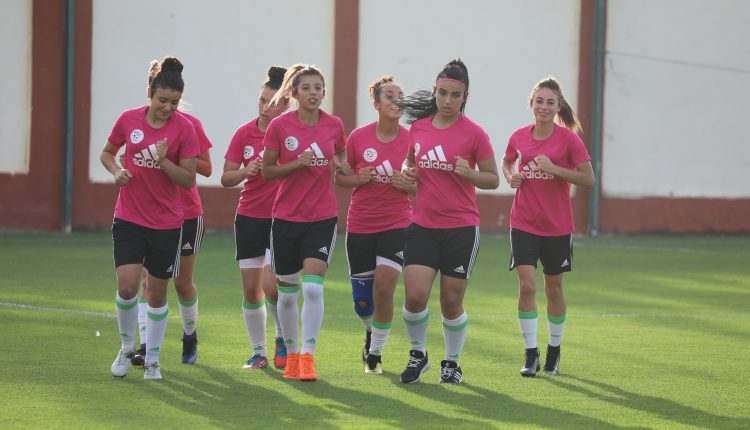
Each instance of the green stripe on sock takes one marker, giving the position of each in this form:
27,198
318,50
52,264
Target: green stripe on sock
157,317
142,300
456,327
271,302
288,290
380,325
247,305
125,306
556,320
528,315
190,303
313,279
419,321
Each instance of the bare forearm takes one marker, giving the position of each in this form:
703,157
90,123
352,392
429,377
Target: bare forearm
231,178
179,175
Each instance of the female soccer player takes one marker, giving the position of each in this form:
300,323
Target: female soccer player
252,224
301,147
549,159
160,148
378,216
444,148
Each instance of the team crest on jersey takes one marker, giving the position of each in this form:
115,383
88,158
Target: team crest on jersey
248,152
291,143
136,136
370,155
416,148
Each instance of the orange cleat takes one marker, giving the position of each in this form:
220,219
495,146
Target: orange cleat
291,371
307,368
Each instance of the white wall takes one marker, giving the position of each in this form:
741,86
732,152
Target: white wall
15,86
507,46
676,97
226,47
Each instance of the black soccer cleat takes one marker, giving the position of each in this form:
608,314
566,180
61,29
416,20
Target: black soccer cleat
139,359
189,348
450,372
531,366
366,346
373,364
417,365
552,362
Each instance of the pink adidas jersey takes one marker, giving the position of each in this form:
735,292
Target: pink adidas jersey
444,199
191,200
307,194
377,206
258,195
150,198
542,204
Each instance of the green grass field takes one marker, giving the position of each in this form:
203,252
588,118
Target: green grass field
658,336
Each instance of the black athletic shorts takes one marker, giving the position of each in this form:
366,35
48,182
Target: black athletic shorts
362,249
452,251
555,252
252,236
192,236
157,250
293,242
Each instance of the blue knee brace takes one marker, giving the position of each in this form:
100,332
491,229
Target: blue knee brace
364,305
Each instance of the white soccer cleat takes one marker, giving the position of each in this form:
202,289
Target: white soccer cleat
152,371
122,363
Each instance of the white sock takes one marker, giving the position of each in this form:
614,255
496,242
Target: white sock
288,306
312,312
255,321
556,325
416,328
380,333
274,311
157,326
142,304
127,321
454,335
189,312
528,323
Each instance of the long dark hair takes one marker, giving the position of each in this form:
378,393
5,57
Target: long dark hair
167,74
422,104
275,77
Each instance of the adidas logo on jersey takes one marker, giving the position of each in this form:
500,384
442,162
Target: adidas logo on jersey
435,159
319,159
147,158
531,171
383,173
459,269
187,247
324,250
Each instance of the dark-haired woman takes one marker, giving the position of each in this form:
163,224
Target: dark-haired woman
378,216
445,150
540,162
160,150
301,148
252,224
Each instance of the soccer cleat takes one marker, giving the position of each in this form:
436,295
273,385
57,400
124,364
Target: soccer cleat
189,348
531,366
291,371
121,363
450,372
151,371
139,359
366,347
279,356
552,362
373,364
307,368
256,362
417,365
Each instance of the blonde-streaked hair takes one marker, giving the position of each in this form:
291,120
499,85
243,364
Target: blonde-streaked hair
291,80
566,115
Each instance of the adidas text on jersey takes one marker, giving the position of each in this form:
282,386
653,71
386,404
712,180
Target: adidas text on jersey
435,159
147,158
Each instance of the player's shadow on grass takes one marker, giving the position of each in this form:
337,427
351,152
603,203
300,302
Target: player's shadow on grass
664,408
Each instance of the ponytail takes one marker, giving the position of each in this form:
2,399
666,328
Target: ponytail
422,103
291,79
566,116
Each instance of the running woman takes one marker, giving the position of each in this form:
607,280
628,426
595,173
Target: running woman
549,159
445,150
252,223
160,148
378,216
301,148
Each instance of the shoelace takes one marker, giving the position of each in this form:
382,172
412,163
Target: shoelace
414,362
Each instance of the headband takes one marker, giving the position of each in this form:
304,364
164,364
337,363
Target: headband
451,80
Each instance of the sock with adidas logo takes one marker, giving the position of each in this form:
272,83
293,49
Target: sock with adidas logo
556,325
416,328
142,305
380,333
454,335
273,309
528,321
156,323
288,306
127,320
255,321
189,312
312,312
